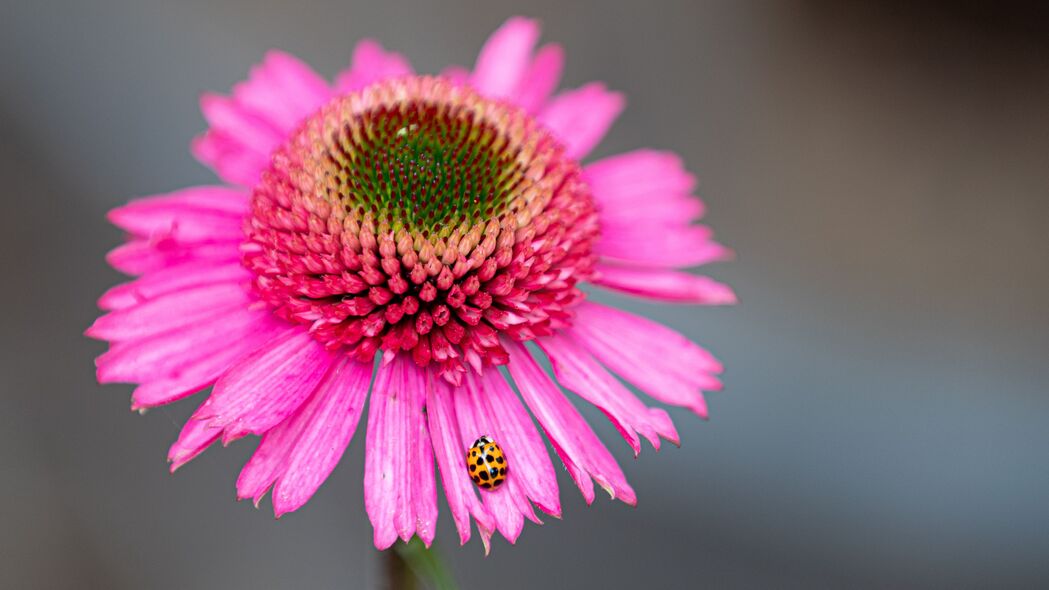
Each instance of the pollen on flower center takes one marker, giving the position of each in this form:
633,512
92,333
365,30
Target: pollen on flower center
415,216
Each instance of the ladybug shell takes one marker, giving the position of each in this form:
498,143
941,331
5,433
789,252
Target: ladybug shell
487,463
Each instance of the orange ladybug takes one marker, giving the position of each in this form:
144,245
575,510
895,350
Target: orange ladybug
487,463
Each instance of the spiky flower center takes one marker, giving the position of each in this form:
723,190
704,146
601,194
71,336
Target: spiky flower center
422,166
417,217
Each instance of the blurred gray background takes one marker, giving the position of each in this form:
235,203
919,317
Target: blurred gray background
882,171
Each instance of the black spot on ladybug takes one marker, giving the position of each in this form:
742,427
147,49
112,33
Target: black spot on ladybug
493,471
502,471
484,475
473,468
486,486
480,462
499,459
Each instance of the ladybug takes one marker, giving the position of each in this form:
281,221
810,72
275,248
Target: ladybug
487,463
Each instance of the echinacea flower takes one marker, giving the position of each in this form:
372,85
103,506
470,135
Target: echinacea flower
405,235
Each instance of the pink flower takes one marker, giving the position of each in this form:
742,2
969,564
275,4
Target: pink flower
437,223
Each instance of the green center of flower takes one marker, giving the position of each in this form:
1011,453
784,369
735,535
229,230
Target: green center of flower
421,166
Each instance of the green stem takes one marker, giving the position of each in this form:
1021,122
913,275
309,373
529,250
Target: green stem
407,564
395,572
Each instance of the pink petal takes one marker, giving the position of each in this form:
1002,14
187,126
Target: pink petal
668,246
638,175
579,372
204,371
448,447
169,312
229,158
658,360
323,443
196,436
371,63
664,285
252,132
245,129
580,118
508,503
179,363
297,455
269,460
505,58
541,79
171,280
139,257
268,385
218,199
282,90
512,427
199,214
400,495
647,212
574,441
651,212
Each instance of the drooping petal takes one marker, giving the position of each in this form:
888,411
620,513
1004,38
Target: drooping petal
269,460
658,360
581,117
196,436
508,503
400,494
579,372
664,285
449,450
513,428
297,455
371,63
505,58
264,388
171,280
169,312
486,405
582,452
325,440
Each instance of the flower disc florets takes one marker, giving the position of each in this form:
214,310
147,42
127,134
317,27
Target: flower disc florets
416,217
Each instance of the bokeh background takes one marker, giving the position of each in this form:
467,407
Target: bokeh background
881,169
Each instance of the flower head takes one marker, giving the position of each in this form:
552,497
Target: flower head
436,224
417,217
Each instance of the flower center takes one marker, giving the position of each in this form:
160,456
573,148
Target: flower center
415,216
423,166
